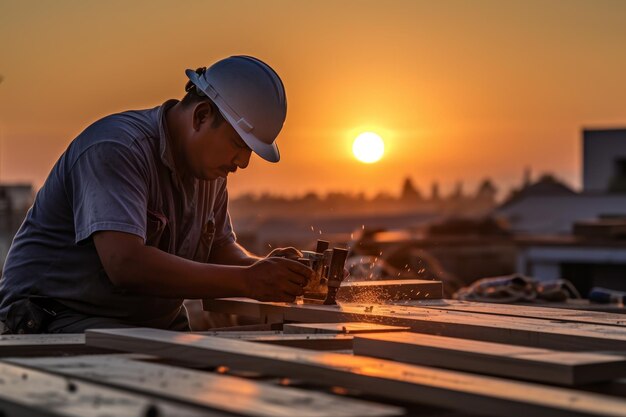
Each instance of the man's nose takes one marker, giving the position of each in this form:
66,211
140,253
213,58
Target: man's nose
242,159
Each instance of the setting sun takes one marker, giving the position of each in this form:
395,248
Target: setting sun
368,147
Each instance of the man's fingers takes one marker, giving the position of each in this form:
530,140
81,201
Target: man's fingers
299,280
297,267
289,253
293,289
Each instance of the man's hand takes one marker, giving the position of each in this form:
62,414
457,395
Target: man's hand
277,279
289,253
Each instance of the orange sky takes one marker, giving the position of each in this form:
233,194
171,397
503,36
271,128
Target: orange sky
459,90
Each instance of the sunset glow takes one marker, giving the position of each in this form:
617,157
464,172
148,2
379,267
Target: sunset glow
476,89
368,147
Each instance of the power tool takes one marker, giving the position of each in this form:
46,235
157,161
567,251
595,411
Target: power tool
328,266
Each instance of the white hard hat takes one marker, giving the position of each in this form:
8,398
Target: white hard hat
251,96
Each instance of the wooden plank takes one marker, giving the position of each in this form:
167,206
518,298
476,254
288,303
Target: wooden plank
534,364
385,290
546,313
304,341
45,345
338,328
243,335
189,386
549,334
577,304
450,389
27,392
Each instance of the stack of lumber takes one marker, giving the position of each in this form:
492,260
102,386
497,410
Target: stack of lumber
142,386
427,357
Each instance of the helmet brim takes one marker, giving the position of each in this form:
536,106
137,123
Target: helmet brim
269,152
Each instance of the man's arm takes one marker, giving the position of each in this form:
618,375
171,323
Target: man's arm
233,253
132,265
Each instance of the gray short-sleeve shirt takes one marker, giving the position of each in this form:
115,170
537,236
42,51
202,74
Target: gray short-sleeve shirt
116,175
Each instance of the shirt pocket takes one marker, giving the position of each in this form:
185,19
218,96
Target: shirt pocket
157,230
205,244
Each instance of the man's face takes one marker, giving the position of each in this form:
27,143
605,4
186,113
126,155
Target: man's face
215,150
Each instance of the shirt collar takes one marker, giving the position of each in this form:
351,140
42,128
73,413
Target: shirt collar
164,136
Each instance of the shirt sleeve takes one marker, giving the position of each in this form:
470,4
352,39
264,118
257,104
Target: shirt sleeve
223,226
108,186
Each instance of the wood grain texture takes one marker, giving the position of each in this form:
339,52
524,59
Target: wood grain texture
45,345
28,392
549,334
466,392
517,362
227,393
386,290
547,313
340,328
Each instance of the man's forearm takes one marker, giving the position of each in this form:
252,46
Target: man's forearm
146,270
151,271
232,254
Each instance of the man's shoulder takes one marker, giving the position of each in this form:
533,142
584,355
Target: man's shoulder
126,127
137,131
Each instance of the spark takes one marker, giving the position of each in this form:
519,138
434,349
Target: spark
222,369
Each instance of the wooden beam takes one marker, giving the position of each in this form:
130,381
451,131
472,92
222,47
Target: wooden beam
304,341
549,334
340,328
546,313
227,393
385,290
526,363
26,393
45,345
468,393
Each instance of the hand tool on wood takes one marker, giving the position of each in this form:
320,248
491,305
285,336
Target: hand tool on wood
327,264
335,274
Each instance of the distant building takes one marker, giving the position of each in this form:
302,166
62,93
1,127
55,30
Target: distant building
594,255
549,206
604,161
15,200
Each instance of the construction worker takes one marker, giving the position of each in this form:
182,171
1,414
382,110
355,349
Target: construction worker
133,218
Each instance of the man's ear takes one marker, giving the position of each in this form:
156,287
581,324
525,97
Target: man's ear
202,115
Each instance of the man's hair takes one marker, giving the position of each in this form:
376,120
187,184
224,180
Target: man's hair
195,96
